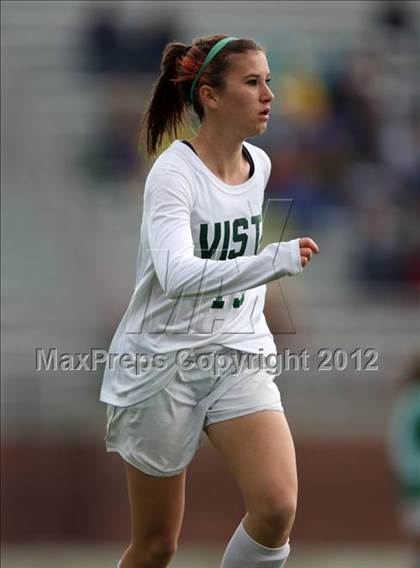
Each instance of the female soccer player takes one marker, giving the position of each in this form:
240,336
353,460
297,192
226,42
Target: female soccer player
199,297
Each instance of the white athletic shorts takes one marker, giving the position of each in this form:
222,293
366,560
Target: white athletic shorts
161,434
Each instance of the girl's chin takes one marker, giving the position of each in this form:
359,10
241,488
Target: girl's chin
262,127
256,130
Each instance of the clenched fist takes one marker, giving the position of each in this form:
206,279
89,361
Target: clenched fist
307,248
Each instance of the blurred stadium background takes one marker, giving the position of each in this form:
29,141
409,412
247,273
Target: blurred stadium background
345,145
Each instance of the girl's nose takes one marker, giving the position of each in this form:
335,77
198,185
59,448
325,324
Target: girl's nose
268,94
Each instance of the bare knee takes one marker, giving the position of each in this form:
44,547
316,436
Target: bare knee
162,550
153,552
281,515
276,514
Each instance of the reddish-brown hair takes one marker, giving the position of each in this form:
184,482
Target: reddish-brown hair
170,98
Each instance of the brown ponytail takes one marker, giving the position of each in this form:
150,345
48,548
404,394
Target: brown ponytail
166,111
170,97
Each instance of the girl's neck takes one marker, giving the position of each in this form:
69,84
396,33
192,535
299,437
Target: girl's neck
222,155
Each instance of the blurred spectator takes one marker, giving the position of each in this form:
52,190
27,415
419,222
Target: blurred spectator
353,108
110,47
111,153
144,43
395,17
102,42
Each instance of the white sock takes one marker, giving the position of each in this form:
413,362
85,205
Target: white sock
243,552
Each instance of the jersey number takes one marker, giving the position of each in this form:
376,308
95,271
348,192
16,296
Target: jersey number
219,302
239,229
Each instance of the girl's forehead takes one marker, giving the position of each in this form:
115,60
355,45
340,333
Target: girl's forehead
248,63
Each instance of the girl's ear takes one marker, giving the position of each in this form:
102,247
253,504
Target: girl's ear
208,96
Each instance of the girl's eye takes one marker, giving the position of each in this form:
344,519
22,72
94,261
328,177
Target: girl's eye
254,81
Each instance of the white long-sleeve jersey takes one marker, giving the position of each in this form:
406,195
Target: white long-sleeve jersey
200,279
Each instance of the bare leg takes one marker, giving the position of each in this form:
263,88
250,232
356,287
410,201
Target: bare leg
157,509
259,451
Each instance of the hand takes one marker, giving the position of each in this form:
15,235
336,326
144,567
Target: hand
307,247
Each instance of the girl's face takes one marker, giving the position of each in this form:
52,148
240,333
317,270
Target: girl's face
243,106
